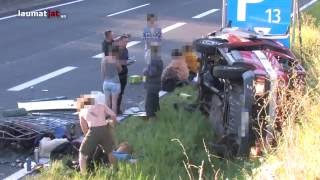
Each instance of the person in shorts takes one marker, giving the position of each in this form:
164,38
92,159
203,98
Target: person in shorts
97,130
110,67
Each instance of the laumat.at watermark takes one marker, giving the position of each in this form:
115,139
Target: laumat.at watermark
41,14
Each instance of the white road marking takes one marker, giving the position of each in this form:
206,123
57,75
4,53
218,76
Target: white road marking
42,78
98,56
172,27
17,175
50,7
120,12
205,14
307,5
133,43
130,44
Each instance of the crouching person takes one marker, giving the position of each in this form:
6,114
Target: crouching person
153,82
176,73
96,128
191,61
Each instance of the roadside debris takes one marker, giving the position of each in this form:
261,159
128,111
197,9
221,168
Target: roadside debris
136,79
14,112
50,99
185,96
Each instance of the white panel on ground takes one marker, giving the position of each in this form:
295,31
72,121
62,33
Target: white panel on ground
48,105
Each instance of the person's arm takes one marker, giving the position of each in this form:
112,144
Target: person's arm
112,115
84,125
119,66
160,34
104,46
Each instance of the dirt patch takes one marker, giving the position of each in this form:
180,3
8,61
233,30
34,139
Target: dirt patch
11,6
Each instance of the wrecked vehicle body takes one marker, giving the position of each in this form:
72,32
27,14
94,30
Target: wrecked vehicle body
240,76
27,131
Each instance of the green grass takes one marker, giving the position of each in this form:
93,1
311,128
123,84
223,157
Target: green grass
297,155
159,156
314,10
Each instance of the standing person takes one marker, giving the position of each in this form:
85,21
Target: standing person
107,42
153,82
96,128
152,35
123,75
191,60
110,67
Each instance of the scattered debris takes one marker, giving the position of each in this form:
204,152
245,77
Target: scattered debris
14,112
132,110
47,145
50,99
185,95
135,79
25,130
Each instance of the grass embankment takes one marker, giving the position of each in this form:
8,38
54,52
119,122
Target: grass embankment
158,150
158,155
315,11
298,153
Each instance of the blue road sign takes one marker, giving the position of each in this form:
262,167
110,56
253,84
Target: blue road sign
267,16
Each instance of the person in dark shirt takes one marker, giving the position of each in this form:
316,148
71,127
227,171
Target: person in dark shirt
107,42
153,82
123,75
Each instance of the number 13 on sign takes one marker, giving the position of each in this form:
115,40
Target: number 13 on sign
273,15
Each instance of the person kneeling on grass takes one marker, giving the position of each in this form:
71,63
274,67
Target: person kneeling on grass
153,82
176,73
96,128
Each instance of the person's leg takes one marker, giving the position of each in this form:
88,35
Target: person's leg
148,103
114,102
123,83
107,142
151,102
107,94
108,99
83,163
88,145
115,90
157,101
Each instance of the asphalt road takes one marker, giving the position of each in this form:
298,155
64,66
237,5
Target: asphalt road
33,47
